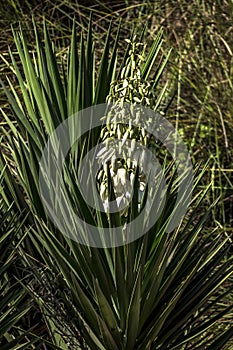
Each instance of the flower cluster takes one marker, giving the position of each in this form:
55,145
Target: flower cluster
125,142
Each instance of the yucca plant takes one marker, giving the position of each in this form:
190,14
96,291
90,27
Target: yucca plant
156,292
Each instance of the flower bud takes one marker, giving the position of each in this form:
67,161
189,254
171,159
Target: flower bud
121,174
133,145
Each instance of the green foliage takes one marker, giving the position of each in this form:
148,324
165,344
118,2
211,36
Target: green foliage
15,301
155,293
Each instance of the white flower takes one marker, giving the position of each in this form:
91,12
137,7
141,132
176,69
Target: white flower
121,175
106,205
101,152
113,162
121,202
125,137
143,159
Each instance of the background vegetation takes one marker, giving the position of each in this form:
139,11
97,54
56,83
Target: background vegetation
201,73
